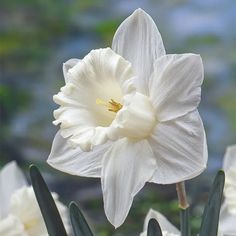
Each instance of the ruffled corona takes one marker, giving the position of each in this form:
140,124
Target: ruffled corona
135,120
99,102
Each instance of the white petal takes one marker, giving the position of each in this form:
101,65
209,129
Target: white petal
12,226
126,168
162,220
138,40
230,175
67,66
175,85
64,213
73,160
230,157
180,149
227,221
101,76
136,119
25,207
230,189
11,179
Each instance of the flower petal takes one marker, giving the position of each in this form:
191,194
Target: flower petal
162,220
11,226
180,149
25,207
175,85
230,190
227,224
11,179
230,158
126,168
67,66
229,166
84,101
138,40
73,160
136,119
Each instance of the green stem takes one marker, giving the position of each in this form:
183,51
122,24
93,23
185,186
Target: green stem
184,222
184,209
183,202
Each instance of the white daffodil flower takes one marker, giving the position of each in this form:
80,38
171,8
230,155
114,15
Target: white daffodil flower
129,116
227,226
19,211
170,230
166,227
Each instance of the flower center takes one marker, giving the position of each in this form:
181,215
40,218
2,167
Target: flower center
111,105
135,120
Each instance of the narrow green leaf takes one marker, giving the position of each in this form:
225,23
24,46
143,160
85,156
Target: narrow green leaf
47,205
184,222
78,221
210,220
154,228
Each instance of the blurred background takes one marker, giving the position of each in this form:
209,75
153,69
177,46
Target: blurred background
37,36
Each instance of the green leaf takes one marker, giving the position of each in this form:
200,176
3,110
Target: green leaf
78,221
184,222
210,220
153,228
46,203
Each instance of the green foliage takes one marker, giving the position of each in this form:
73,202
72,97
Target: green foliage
46,203
11,103
107,29
80,226
208,39
78,221
153,228
210,220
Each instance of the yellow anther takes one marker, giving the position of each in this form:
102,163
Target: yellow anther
112,105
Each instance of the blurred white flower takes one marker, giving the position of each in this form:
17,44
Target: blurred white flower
170,230
166,227
129,115
19,211
227,224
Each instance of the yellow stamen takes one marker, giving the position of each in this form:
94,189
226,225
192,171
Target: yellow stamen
112,105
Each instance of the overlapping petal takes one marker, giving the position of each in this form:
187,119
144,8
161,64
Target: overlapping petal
101,76
126,167
24,206
22,216
138,40
180,149
229,166
12,226
74,161
175,85
230,158
67,66
11,179
163,222
227,221
230,190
